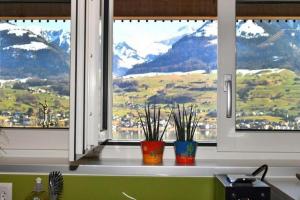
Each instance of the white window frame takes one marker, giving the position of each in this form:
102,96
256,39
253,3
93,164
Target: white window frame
85,125
230,143
83,133
86,70
34,142
228,138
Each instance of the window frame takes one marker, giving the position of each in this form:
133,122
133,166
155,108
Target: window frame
125,142
230,139
52,142
230,144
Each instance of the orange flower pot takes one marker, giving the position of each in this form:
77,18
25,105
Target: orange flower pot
152,152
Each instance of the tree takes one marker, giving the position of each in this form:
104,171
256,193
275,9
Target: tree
29,112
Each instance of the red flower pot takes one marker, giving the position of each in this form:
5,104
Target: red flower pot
152,152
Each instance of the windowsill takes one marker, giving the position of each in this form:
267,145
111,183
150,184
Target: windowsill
135,167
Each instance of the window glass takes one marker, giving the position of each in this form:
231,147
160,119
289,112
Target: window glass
34,73
164,62
268,81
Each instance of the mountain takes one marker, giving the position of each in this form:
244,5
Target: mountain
59,38
269,45
196,51
260,45
124,58
27,54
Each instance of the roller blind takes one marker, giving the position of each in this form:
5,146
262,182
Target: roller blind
268,9
35,9
167,8
153,8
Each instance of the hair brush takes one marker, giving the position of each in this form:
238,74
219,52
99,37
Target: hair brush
55,186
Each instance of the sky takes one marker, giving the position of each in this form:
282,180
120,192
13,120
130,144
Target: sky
143,35
51,25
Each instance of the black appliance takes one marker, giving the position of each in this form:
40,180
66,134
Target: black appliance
243,187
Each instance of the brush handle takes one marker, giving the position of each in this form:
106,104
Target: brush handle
53,197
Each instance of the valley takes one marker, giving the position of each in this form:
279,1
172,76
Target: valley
20,102
266,99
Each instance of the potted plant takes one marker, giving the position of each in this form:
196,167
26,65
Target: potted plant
186,122
152,146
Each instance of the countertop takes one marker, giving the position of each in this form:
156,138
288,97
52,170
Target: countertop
135,167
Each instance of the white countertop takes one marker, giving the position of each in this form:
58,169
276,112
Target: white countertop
126,167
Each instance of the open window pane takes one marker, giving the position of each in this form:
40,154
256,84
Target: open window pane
268,81
34,73
164,62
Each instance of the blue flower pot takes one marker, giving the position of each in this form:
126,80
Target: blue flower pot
185,152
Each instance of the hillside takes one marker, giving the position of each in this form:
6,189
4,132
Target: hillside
27,54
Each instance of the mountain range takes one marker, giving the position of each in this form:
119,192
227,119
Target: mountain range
260,44
24,53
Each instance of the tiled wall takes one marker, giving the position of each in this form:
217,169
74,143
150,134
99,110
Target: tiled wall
116,188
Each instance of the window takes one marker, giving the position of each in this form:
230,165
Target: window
241,74
164,62
267,75
258,95
34,73
35,66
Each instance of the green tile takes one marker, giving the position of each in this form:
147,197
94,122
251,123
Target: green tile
112,187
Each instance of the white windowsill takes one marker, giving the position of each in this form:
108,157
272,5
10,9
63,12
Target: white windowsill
135,167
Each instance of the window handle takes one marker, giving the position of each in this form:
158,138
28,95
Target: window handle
228,84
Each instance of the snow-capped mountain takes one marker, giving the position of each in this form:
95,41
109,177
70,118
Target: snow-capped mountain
163,46
23,53
250,29
194,51
14,30
124,58
208,29
59,38
260,45
268,45
127,54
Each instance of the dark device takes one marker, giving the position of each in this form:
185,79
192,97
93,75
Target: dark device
243,187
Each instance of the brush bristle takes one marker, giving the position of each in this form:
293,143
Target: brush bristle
55,185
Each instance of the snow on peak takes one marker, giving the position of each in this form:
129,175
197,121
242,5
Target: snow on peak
208,29
32,46
186,30
250,29
58,37
124,49
127,55
12,29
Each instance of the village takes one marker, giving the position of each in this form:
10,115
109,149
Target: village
27,110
